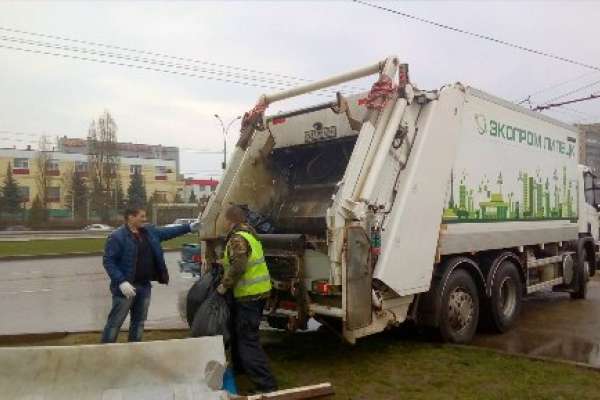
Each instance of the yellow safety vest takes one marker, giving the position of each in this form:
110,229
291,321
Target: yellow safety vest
256,279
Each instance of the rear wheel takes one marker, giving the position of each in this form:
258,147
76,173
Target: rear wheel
504,306
460,308
583,276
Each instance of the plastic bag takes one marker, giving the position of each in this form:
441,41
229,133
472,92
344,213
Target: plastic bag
198,293
212,318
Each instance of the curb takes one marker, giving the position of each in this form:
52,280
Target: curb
74,254
24,338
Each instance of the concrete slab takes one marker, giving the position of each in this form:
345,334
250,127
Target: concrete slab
173,369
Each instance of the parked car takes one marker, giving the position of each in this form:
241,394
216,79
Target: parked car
191,259
17,228
181,221
98,228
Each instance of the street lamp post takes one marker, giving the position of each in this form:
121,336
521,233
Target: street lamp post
225,132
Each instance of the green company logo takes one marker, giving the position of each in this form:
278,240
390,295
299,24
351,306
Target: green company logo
481,122
518,135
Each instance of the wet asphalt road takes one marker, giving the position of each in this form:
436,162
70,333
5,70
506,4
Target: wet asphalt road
552,325
71,294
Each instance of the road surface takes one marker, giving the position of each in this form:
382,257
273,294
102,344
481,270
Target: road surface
552,325
71,294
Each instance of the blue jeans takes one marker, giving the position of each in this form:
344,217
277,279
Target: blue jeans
138,305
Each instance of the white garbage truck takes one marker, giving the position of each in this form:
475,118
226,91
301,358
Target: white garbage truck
444,207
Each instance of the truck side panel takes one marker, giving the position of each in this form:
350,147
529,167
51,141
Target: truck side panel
410,234
511,165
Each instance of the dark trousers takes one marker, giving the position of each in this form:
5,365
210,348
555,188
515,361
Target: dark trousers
121,306
247,353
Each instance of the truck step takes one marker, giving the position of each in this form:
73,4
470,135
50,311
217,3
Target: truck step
545,261
545,285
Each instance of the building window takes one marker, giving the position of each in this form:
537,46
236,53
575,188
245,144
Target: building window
53,169
53,194
21,166
160,197
160,173
81,166
23,193
21,163
135,169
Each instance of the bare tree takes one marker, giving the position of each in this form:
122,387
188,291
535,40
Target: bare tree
42,163
103,163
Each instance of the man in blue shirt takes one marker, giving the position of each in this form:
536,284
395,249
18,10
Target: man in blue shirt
133,257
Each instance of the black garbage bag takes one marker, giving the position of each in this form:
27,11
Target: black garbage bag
212,318
199,292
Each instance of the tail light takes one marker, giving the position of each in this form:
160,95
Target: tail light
288,305
321,287
197,258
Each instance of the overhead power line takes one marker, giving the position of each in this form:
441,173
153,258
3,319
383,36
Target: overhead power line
554,86
286,78
143,60
140,67
577,90
155,69
579,100
480,36
152,53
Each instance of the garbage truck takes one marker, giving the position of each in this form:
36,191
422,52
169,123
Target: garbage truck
443,207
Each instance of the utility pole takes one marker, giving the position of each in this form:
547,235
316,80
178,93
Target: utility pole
225,131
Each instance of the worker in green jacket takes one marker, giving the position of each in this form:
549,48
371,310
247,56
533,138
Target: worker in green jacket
247,276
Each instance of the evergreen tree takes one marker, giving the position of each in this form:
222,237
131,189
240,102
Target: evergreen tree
136,192
37,214
77,196
119,196
150,206
10,193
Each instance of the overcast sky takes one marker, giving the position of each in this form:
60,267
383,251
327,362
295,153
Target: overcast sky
60,96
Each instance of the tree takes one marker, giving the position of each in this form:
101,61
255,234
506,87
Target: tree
10,193
136,192
38,214
193,198
76,198
178,199
42,177
103,164
119,195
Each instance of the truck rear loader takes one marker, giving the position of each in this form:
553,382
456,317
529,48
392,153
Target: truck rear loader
444,207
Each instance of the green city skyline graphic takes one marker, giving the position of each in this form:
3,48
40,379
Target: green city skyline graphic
539,198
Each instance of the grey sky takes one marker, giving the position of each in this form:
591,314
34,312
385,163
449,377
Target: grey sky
45,94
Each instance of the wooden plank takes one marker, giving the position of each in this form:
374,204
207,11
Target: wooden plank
298,393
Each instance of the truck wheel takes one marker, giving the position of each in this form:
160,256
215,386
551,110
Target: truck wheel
504,306
583,276
460,308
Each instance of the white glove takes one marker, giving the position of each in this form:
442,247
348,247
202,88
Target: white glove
195,226
205,268
127,289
